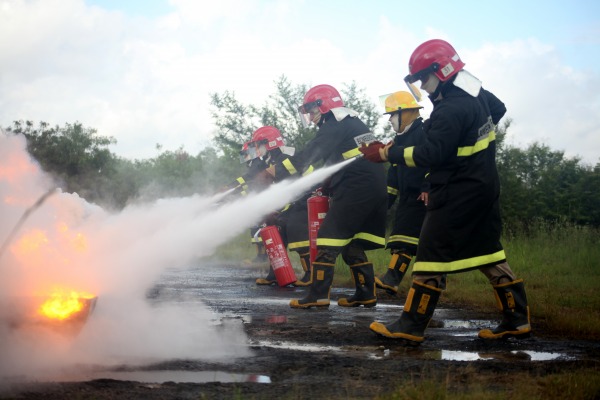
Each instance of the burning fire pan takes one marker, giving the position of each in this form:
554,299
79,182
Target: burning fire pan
64,315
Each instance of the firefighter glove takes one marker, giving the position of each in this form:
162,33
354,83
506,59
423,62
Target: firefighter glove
376,152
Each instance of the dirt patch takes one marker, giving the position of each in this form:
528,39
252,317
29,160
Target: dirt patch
314,354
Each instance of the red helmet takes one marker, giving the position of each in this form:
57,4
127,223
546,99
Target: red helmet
325,97
433,57
269,136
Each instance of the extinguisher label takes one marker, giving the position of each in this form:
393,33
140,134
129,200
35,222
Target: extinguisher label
321,215
277,256
269,241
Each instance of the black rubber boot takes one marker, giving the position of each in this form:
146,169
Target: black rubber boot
512,301
305,261
269,280
393,276
364,280
418,310
318,293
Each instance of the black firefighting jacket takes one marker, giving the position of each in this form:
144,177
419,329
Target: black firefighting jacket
358,191
462,227
404,187
405,182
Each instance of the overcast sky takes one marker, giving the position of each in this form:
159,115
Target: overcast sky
142,71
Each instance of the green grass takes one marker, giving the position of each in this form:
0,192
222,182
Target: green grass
470,384
560,264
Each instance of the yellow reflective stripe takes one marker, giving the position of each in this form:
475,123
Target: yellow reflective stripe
392,190
351,153
243,184
298,245
308,171
370,238
343,242
289,166
333,242
408,156
404,239
286,207
481,144
256,239
458,265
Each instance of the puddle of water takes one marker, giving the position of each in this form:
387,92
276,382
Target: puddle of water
525,355
456,324
162,377
452,355
295,346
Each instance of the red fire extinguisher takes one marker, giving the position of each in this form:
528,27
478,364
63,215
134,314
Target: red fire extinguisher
318,205
284,273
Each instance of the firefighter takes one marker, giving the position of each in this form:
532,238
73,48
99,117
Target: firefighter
406,186
293,219
266,148
355,221
462,226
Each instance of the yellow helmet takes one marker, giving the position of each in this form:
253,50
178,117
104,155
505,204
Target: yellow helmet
399,101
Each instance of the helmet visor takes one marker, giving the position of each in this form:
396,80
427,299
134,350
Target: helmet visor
248,154
414,90
309,111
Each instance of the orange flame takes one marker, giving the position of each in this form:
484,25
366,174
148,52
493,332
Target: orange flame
62,305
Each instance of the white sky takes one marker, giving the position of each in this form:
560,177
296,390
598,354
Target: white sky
142,71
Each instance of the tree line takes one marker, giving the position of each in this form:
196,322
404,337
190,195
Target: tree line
537,182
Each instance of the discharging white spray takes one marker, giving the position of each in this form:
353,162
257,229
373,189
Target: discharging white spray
118,256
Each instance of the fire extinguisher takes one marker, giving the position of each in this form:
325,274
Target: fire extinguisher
317,205
275,249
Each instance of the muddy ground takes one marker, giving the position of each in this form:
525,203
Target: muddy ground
317,354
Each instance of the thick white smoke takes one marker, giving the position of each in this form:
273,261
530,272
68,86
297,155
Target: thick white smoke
67,242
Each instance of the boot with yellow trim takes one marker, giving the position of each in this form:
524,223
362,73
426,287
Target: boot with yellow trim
418,310
318,293
305,262
364,280
393,276
512,301
269,280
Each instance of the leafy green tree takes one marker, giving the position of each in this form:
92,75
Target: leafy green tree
78,156
541,183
